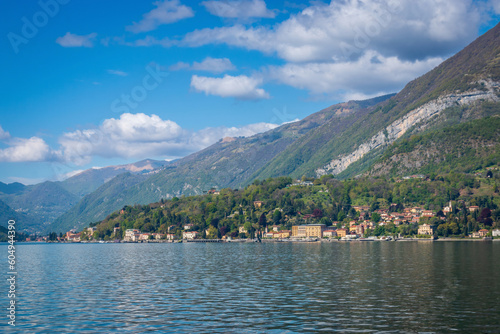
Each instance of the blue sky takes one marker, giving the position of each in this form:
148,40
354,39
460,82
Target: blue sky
96,83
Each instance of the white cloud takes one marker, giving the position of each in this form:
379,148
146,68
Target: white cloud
166,12
149,41
240,87
404,28
27,150
213,65
141,136
72,41
118,72
496,6
4,134
70,174
239,9
369,76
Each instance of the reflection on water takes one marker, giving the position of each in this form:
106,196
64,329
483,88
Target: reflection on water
270,287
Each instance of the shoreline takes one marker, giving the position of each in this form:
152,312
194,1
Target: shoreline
272,240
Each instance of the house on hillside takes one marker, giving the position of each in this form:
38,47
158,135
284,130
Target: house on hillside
425,229
258,204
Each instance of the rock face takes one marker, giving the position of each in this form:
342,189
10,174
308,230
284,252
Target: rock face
400,126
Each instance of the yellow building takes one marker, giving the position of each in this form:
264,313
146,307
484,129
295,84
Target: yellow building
425,229
285,234
311,230
341,232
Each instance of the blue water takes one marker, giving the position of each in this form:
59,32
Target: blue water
387,287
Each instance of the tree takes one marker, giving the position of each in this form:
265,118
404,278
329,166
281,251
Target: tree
376,217
317,213
277,217
263,221
485,217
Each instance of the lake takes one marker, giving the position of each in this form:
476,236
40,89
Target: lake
362,287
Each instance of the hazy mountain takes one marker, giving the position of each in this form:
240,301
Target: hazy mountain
91,179
43,203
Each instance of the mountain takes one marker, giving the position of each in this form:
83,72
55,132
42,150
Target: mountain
97,204
344,140
91,179
43,203
7,213
11,188
464,148
231,162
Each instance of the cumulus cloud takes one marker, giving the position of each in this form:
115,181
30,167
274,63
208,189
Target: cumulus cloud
239,9
371,75
74,41
27,150
118,72
240,87
141,136
213,65
406,29
166,12
4,134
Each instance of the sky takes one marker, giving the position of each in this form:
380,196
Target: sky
97,83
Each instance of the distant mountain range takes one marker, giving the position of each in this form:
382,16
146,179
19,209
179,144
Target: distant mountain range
36,207
444,120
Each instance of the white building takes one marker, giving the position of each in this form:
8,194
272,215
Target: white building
131,235
190,235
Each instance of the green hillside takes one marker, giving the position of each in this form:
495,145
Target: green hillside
327,200
461,148
96,205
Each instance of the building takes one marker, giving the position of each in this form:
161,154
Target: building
145,236
188,226
473,208
242,230
425,229
482,233
360,230
131,235
448,209
496,233
75,237
310,230
190,235
329,234
341,232
258,204
285,234
428,213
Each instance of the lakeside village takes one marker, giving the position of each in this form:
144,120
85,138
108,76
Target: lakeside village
360,230
275,220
